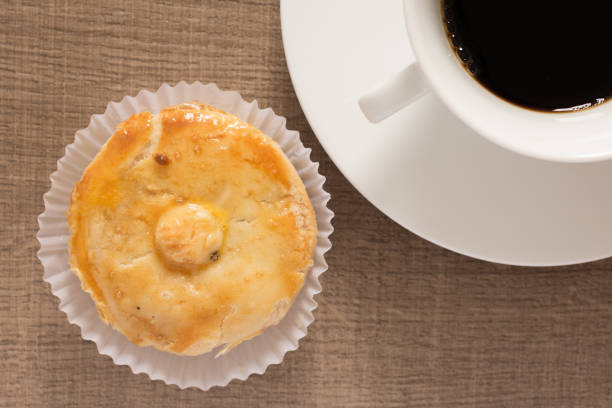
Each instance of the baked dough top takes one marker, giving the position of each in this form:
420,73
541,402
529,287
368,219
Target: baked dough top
191,229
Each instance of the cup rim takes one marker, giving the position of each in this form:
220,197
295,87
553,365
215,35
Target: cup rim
582,136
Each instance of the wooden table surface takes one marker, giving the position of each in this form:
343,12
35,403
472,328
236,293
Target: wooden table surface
401,322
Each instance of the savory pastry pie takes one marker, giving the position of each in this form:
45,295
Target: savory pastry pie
191,229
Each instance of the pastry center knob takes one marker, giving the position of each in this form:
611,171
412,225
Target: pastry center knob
189,236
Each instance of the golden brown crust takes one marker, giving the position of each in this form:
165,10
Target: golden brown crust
236,236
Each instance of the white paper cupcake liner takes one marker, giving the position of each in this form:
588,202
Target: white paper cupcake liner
204,371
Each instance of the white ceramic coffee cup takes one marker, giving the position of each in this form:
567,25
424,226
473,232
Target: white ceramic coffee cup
580,136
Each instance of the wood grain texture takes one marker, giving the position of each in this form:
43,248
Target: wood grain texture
401,322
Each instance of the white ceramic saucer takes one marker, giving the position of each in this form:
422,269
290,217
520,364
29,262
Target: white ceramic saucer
423,167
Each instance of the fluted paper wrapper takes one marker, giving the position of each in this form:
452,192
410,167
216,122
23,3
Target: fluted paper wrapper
204,371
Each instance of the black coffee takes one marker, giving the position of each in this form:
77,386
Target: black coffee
549,55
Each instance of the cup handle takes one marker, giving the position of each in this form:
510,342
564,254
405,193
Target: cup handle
399,91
